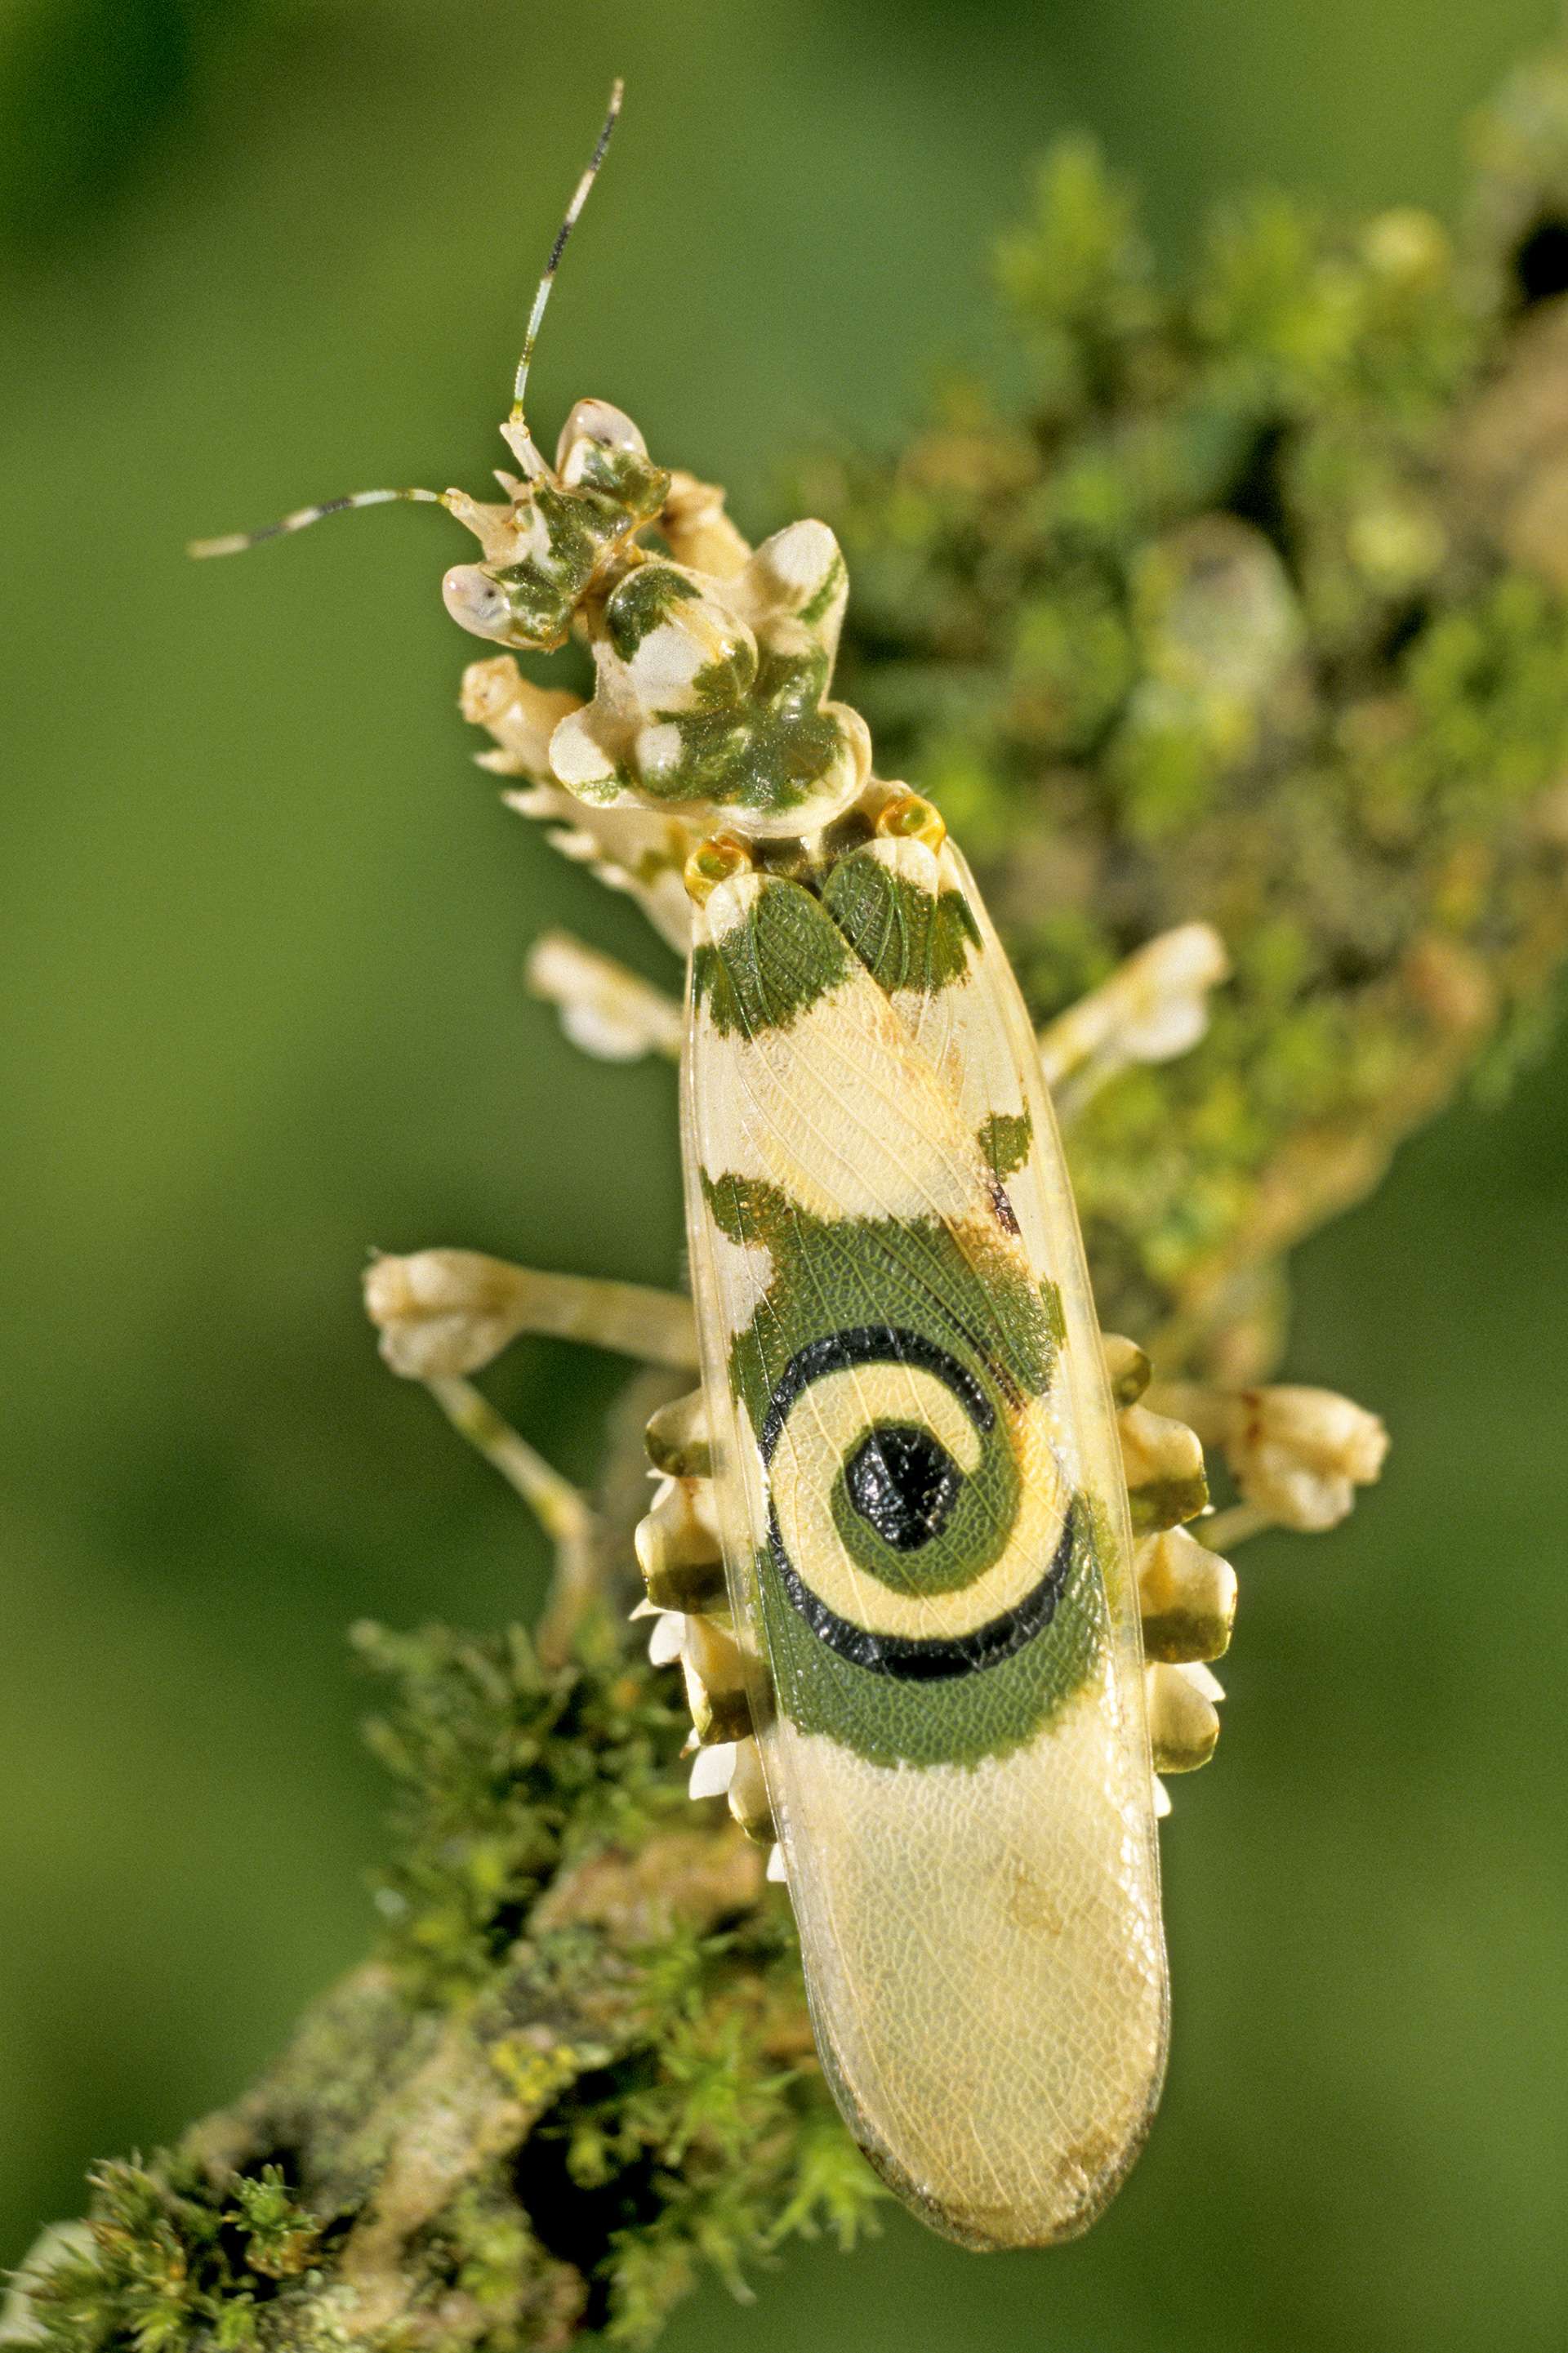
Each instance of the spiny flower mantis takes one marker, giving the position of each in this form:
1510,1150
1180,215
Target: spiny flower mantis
919,1540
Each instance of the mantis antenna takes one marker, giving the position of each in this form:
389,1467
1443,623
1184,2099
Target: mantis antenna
528,455
235,542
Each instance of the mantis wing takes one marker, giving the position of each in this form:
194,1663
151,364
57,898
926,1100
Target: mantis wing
925,1543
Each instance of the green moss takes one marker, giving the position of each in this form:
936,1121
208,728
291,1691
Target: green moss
506,1773
692,2120
1231,621
163,2262
281,2239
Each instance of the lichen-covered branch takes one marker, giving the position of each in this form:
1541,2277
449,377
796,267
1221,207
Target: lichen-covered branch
1251,628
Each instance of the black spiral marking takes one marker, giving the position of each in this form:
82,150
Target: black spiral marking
908,1659
905,1657
870,1343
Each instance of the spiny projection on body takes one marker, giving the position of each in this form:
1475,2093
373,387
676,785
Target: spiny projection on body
916,1543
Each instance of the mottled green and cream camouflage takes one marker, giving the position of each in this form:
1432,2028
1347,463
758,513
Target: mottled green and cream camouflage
916,1541
901,1581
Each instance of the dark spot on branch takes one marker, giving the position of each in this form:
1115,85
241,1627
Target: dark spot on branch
1541,262
1258,495
578,2222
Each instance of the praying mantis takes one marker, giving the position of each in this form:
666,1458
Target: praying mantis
918,1544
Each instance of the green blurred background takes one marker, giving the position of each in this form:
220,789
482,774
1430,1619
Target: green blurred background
262,928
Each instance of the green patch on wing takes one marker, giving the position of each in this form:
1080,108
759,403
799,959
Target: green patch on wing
962,1292
961,1722
1005,1139
905,936
1051,1300
963,1289
765,972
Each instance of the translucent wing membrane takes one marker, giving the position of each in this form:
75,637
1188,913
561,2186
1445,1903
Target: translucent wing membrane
925,1538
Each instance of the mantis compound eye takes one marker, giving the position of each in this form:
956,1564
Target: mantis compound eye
602,451
476,602
600,422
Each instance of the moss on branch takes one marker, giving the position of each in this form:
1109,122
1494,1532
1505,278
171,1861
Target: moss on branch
1255,613
578,2068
